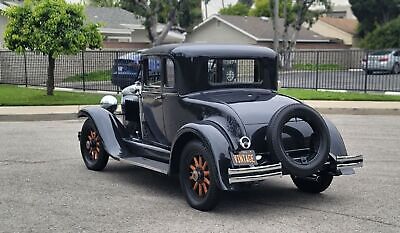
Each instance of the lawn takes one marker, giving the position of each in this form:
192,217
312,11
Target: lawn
330,95
101,75
313,67
21,96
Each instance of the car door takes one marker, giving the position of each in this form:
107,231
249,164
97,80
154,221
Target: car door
152,102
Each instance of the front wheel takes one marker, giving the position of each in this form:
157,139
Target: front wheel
92,150
313,184
396,68
197,174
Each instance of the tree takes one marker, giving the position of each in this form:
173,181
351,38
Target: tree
385,36
372,13
249,3
261,8
104,3
303,14
236,9
152,10
189,13
50,27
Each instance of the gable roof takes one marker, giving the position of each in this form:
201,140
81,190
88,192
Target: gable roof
261,28
112,17
346,25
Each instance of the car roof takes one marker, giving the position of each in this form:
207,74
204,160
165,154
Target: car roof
211,50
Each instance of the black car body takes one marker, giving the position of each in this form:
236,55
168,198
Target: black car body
213,117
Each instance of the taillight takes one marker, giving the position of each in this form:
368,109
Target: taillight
382,59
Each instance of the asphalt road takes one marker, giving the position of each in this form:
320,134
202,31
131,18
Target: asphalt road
341,80
46,188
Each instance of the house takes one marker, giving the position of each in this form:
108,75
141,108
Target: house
254,30
123,29
341,28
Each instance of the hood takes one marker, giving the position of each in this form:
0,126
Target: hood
253,106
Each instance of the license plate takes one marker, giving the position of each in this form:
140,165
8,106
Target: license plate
245,157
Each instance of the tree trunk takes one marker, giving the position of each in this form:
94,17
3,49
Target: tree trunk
50,75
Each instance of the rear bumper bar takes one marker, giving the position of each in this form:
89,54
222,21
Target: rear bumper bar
345,164
249,174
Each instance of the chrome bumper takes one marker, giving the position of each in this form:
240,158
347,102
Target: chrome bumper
345,164
248,174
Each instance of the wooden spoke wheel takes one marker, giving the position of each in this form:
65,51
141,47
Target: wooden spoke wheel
93,145
200,175
93,153
197,175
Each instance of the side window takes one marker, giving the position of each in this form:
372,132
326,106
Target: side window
154,74
169,73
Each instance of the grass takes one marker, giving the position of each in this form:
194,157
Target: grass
313,67
21,96
330,95
102,75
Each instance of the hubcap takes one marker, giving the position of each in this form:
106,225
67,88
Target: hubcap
199,175
93,145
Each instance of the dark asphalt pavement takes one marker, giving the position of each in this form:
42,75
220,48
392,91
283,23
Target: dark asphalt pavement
45,187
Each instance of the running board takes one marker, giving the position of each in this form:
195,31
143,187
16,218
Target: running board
147,163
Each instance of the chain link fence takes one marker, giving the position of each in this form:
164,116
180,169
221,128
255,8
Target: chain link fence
354,69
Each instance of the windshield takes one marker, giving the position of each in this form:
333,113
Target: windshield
233,71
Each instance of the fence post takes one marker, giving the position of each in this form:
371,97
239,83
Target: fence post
117,56
26,71
317,71
366,72
83,71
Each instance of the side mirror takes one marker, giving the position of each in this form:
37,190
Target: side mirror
109,103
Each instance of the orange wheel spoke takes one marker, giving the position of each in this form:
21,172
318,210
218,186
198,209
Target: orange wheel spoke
206,173
196,163
204,165
204,187
192,167
195,186
207,181
200,161
200,190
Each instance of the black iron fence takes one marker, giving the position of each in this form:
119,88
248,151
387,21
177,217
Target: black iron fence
356,70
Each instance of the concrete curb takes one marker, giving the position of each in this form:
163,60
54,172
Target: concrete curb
73,116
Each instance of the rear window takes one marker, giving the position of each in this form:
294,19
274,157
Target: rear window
233,71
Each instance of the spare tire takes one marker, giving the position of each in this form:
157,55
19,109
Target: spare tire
304,167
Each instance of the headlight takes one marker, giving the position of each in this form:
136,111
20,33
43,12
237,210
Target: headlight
109,103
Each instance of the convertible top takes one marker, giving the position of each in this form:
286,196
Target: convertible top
211,50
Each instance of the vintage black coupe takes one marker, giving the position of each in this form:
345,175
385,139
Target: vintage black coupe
213,117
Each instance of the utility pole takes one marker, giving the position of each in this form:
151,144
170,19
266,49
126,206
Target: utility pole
276,18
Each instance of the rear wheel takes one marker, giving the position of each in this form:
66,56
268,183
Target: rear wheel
197,175
313,184
92,150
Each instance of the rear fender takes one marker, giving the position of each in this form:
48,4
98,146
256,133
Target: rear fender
337,144
110,129
216,142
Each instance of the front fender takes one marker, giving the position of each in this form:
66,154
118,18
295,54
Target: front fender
215,140
110,129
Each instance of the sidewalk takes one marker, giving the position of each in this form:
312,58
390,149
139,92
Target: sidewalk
46,113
